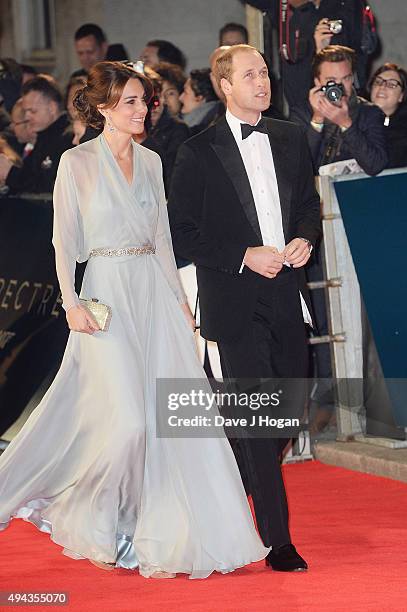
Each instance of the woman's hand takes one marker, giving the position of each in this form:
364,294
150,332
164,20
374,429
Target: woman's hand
188,314
80,320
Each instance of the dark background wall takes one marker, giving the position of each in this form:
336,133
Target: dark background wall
190,24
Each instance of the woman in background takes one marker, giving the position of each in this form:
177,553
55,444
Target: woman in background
173,81
388,90
200,104
166,133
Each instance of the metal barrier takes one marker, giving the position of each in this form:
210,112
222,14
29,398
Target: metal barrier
360,208
33,330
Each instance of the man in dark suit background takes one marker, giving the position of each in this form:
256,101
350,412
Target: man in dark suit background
244,209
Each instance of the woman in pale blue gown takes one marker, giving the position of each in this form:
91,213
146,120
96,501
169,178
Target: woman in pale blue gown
87,467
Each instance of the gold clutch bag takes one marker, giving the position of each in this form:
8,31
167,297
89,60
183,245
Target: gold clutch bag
100,312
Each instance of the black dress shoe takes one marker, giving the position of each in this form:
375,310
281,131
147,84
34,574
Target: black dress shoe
286,559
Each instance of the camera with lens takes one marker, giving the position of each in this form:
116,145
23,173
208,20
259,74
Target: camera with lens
335,26
333,91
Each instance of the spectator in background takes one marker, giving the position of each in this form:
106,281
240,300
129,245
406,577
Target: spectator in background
25,136
308,33
162,133
10,87
165,134
350,128
78,127
43,107
10,91
117,53
29,72
4,116
157,51
172,85
91,47
9,153
199,100
233,34
388,90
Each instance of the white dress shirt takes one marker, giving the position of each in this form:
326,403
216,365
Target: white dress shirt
259,164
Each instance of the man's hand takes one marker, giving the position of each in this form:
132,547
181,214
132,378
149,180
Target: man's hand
5,165
264,260
80,320
189,316
315,96
336,113
322,35
297,253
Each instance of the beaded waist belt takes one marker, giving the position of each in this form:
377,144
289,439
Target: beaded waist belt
143,250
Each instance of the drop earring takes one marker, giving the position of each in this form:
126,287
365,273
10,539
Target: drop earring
110,125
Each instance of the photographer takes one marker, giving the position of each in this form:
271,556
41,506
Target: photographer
339,124
306,26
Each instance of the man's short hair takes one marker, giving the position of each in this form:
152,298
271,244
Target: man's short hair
234,27
201,84
46,87
91,29
171,73
223,68
167,52
333,53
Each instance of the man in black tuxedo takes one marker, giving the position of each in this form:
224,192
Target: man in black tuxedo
244,209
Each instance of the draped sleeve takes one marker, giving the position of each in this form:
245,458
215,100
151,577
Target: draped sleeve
67,233
163,241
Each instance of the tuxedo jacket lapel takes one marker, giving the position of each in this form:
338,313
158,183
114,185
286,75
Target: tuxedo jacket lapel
280,148
228,153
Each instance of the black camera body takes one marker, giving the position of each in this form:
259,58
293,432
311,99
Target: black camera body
333,91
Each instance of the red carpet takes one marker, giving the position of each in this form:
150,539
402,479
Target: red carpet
351,528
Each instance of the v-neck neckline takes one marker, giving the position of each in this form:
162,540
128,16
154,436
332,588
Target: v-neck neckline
129,185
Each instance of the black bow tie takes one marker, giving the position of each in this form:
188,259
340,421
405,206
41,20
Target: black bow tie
247,129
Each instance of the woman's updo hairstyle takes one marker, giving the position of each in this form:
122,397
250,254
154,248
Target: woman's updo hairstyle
106,81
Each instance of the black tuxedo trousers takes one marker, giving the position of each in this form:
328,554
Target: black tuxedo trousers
272,346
